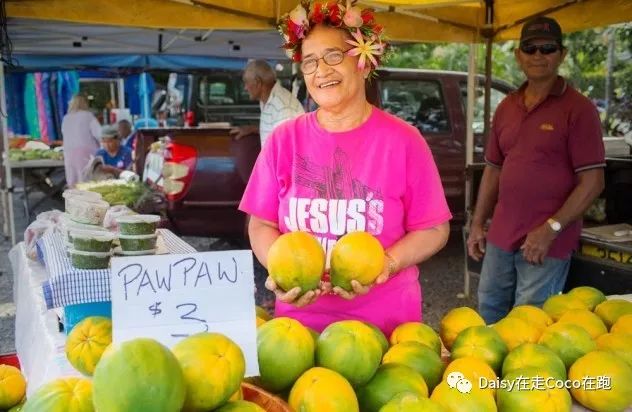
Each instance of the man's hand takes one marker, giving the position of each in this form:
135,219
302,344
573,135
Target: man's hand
292,295
242,131
476,242
359,289
537,244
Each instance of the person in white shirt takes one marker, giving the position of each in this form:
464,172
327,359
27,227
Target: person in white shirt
81,132
277,104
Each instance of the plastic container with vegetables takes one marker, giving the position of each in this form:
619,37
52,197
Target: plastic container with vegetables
132,243
90,260
85,210
92,241
138,224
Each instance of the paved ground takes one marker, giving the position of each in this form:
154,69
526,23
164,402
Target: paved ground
441,278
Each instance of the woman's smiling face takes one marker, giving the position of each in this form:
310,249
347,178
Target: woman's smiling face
332,87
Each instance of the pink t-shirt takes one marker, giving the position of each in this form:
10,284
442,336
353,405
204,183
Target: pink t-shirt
380,178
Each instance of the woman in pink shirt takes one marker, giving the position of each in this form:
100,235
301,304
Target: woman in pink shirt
347,167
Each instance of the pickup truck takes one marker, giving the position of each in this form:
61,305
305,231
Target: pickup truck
203,172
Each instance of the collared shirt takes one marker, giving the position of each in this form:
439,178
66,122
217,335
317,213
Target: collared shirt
540,151
122,160
280,106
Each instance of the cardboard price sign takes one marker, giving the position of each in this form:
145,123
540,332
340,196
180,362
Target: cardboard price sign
170,297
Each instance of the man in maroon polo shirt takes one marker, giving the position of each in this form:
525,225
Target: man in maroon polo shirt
545,159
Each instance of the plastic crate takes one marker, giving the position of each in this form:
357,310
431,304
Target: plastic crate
74,314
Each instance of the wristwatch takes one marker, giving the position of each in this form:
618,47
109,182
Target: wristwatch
555,225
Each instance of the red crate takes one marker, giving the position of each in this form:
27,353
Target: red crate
10,359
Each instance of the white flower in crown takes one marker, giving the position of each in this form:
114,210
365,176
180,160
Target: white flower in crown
353,16
367,49
299,16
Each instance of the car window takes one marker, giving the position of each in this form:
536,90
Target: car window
496,96
222,92
420,103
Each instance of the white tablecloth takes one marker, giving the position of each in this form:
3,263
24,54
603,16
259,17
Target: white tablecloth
38,341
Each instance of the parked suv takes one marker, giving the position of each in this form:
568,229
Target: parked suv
203,171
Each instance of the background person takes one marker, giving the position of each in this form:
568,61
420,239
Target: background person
81,131
277,104
350,167
116,157
125,133
545,160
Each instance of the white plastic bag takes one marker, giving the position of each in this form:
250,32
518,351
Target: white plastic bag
44,223
109,222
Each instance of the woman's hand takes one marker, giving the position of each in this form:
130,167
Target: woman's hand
292,295
388,269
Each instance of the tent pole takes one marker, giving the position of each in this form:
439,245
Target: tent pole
469,159
145,112
8,181
489,42
488,85
121,93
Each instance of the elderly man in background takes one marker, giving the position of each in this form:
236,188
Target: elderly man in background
277,104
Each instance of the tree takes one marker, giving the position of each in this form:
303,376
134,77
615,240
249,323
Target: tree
585,66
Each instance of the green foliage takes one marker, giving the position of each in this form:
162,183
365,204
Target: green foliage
454,57
585,65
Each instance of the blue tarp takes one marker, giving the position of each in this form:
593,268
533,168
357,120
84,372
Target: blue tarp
121,61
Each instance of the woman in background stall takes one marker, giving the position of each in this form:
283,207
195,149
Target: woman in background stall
81,132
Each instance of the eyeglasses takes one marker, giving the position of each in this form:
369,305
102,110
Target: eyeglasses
332,58
548,48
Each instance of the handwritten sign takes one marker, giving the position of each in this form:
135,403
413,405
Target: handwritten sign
169,297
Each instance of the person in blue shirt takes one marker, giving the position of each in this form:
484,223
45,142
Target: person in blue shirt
116,157
126,134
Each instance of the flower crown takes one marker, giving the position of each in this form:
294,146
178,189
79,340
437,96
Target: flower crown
368,36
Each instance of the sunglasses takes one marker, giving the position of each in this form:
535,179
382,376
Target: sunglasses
548,48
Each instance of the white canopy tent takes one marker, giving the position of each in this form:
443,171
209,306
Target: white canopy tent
34,37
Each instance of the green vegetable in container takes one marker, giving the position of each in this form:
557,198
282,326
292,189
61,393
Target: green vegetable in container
89,260
138,224
138,243
92,245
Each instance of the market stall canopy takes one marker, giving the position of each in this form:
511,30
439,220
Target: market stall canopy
406,20
57,44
